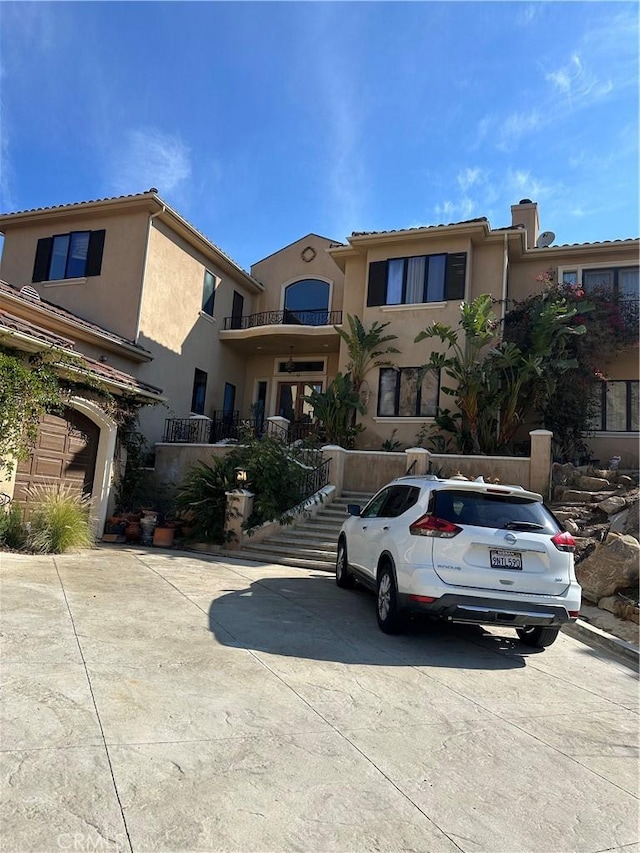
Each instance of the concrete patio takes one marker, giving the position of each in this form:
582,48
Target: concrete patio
164,701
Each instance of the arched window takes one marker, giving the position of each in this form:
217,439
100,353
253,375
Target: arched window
307,302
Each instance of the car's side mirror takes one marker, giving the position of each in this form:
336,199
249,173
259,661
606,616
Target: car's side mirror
354,509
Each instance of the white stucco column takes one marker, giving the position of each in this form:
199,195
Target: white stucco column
103,473
540,462
421,456
337,455
239,508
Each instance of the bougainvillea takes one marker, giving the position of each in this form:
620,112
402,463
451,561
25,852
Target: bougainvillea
566,402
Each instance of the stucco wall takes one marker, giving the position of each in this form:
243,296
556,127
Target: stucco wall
173,461
368,472
179,335
111,299
288,265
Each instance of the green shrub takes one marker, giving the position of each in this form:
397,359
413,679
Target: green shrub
12,530
61,521
201,498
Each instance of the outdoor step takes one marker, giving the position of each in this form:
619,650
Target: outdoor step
307,538
278,559
273,549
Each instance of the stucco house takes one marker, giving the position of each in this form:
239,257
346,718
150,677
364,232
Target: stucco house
223,343
414,277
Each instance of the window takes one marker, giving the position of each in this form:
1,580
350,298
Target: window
300,366
209,292
410,281
392,502
74,255
617,406
307,302
401,394
199,392
621,281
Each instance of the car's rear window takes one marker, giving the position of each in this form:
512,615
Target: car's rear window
486,510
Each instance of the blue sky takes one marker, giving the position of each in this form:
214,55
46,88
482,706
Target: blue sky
261,122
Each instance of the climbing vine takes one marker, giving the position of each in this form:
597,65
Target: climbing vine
34,385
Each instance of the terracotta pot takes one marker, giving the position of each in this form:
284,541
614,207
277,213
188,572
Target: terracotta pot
163,537
133,531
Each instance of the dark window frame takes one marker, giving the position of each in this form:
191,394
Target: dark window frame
396,404
602,415
200,378
208,302
615,289
453,284
44,256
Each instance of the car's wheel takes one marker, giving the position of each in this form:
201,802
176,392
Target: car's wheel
538,636
387,609
344,578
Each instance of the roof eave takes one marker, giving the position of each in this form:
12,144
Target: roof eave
56,322
28,343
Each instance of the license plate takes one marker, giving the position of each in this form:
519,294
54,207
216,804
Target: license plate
505,559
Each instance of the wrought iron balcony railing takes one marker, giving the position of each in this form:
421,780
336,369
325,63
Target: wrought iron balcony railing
286,317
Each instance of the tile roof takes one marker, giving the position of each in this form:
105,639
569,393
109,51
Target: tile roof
56,311
419,227
97,368
9,321
151,194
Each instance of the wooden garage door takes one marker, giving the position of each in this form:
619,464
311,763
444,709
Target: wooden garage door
64,453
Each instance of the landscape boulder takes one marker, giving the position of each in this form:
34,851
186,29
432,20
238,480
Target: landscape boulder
591,484
612,505
612,566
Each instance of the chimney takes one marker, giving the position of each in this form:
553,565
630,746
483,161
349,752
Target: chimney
525,213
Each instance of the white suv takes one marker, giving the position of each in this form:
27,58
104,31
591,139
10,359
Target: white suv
462,551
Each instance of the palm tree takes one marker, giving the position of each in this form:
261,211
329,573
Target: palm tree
365,348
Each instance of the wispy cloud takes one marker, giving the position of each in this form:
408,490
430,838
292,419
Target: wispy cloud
577,83
148,158
468,177
528,12
515,126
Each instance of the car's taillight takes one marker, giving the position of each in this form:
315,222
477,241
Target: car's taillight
564,541
573,614
429,525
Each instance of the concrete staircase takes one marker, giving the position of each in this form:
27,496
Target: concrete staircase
308,543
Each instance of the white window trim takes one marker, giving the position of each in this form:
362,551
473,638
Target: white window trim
312,374
208,317
296,278
60,282
413,306
578,268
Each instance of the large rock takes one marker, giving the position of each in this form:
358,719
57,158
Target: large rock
591,484
611,567
612,505
562,475
572,496
627,521
620,608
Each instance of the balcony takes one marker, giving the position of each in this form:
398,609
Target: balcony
279,332
229,426
285,318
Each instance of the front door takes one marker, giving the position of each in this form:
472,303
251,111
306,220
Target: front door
290,402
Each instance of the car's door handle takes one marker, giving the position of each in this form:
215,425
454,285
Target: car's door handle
386,527
364,526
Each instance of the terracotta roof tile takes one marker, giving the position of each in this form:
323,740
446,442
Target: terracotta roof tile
419,227
55,310
97,368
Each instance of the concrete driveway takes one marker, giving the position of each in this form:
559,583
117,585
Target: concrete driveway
161,701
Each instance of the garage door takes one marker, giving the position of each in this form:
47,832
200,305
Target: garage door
65,452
